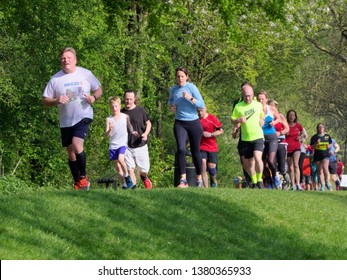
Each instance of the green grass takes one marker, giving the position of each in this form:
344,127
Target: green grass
172,224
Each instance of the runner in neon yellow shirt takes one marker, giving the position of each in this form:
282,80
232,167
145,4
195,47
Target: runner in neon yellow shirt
249,114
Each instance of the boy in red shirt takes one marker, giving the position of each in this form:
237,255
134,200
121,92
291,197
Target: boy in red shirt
306,169
211,127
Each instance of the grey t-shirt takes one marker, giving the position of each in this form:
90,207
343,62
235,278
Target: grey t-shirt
75,85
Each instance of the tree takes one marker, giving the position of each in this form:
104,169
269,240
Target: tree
33,35
323,24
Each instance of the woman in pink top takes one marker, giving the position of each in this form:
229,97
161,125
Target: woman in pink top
293,149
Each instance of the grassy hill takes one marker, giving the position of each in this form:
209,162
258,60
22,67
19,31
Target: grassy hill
171,224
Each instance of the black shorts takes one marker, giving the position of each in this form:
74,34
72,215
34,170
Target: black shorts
209,156
271,143
239,148
292,153
332,167
79,130
320,156
248,147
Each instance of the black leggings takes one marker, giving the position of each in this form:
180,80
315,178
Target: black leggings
194,131
281,158
269,154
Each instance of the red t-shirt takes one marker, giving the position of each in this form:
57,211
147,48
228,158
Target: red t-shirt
339,168
209,124
293,138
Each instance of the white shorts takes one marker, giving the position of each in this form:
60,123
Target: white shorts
138,157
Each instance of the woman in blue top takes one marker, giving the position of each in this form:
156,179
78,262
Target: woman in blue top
184,100
271,141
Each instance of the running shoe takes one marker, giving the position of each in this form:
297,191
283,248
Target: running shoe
129,182
199,183
287,178
260,185
284,184
147,183
277,182
213,182
183,184
299,188
84,184
322,188
76,186
329,187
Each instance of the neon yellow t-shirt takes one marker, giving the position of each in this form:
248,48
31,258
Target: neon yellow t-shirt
251,129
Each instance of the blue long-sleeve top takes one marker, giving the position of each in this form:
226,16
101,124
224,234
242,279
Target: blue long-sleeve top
186,110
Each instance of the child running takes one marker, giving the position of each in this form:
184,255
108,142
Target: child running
116,129
306,169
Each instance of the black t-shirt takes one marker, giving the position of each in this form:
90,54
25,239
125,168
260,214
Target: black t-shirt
138,119
322,148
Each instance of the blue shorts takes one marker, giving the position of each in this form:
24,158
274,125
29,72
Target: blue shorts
79,130
114,154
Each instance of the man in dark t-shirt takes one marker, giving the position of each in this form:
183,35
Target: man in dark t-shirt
137,153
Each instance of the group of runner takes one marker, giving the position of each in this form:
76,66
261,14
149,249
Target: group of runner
271,146
273,149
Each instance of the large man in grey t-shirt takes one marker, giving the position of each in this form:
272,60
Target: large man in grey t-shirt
70,89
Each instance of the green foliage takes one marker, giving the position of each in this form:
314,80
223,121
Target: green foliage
12,185
162,164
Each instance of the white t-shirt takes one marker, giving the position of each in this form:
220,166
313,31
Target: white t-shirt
119,133
74,85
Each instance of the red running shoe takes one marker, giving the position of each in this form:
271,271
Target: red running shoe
76,186
147,183
84,184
